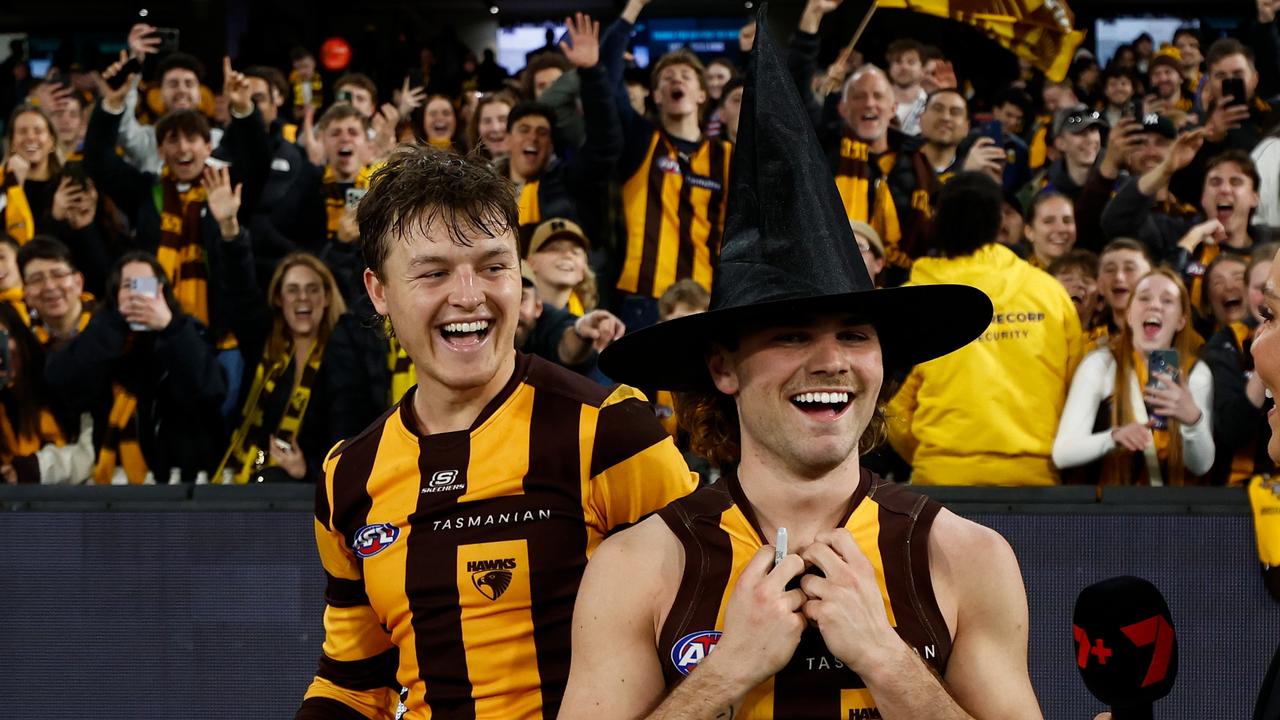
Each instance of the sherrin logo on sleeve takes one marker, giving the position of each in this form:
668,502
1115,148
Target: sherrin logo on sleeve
693,648
373,539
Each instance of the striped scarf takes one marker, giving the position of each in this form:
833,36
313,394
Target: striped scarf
181,251
17,298
335,196
245,456
15,444
19,221
120,446
45,338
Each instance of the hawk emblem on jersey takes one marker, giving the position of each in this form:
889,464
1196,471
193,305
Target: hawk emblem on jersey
373,539
693,648
491,577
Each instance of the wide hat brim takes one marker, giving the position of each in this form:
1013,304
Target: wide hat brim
915,324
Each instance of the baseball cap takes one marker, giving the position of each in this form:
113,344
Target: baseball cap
558,229
1169,56
1160,125
1076,119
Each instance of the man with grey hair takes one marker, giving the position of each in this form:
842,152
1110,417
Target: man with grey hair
854,128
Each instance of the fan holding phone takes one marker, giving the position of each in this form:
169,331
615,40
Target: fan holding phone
1142,405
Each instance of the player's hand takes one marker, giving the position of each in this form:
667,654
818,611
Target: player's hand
762,621
846,605
601,327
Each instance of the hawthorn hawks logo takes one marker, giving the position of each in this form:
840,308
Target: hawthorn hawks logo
491,577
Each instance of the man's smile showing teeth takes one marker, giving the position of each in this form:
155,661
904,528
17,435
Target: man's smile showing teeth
822,405
465,334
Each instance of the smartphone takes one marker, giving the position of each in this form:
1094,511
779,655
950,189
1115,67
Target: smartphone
994,130
5,374
147,286
353,197
282,445
1132,110
1235,88
168,40
780,547
117,81
344,96
1164,362
74,169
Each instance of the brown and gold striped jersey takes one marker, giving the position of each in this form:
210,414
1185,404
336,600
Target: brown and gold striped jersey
674,204
453,559
720,535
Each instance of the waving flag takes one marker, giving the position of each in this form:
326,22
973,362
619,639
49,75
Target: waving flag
1041,31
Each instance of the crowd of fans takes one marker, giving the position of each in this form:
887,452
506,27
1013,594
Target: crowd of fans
183,290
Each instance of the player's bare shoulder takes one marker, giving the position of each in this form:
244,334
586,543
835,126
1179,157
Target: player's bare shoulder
647,555
965,560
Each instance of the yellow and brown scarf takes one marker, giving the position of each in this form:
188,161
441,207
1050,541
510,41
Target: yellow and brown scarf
45,338
120,442
181,251
17,444
245,456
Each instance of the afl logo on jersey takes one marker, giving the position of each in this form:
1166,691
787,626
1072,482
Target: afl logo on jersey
693,648
373,539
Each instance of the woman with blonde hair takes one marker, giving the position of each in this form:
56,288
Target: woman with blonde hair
1145,431
291,415
30,176
487,128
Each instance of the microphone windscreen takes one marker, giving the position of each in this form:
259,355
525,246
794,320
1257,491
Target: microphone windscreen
1124,640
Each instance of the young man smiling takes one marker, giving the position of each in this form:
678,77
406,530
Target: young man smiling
454,530
691,614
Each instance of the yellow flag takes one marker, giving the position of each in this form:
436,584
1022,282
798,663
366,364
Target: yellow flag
1041,31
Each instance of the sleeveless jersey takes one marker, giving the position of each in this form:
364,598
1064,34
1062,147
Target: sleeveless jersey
720,535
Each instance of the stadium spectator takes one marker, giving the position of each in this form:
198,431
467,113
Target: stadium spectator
181,77
487,129
1167,85
1119,97
665,241
730,109
1240,426
149,375
542,71
986,414
1011,108
1050,228
1077,138
1077,270
1187,42
54,292
1226,295
439,125
906,69
293,412
307,85
870,247
38,444
30,175
854,123
358,90
174,214
558,259
1237,123
68,112
11,291
1266,157
550,186
1121,264
1154,430
719,72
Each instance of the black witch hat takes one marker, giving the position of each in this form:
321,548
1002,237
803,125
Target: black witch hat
788,253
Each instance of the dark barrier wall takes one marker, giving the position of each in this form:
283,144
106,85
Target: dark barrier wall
144,612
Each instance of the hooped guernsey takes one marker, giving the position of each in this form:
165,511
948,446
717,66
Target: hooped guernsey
453,560
720,535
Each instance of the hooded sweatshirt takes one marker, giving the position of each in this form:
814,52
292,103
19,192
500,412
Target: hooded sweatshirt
987,414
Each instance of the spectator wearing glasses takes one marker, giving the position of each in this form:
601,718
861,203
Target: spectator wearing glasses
54,291
149,374
870,247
